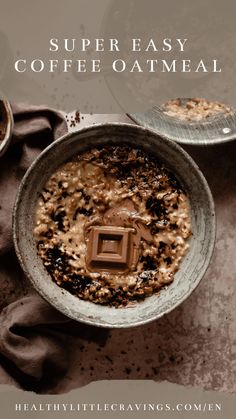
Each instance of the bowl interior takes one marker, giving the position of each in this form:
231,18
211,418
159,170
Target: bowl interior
194,263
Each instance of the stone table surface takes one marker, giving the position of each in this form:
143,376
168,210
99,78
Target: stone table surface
194,345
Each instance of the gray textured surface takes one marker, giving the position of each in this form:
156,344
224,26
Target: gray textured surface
195,345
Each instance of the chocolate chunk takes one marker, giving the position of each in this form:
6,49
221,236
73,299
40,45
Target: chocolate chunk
109,249
84,211
156,206
58,216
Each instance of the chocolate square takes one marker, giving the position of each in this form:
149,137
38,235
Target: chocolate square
109,248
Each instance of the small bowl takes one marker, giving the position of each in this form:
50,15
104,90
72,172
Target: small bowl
194,264
6,125
213,130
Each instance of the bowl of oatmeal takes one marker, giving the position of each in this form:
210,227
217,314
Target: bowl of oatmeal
114,225
195,121
6,125
195,109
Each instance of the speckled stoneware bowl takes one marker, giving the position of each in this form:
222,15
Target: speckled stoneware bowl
213,130
6,124
194,263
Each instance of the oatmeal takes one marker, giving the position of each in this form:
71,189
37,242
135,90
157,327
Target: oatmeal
194,109
112,226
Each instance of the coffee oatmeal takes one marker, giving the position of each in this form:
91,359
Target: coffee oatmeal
195,109
112,226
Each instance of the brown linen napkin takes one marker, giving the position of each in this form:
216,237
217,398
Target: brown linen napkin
34,337
32,348
41,126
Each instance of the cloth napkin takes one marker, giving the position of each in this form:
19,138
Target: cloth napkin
34,337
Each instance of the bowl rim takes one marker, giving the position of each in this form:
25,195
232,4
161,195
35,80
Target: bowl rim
4,144
17,203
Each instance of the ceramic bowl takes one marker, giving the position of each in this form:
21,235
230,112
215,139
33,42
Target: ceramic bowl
211,131
6,125
194,264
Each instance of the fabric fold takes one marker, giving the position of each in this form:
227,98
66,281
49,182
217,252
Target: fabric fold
35,339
